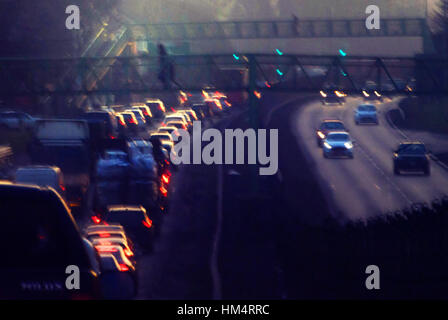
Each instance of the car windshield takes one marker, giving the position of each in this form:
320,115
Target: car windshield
332,125
338,137
412,149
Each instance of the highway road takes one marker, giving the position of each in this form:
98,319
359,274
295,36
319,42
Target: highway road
365,186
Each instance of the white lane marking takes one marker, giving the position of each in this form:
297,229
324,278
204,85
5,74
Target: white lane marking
216,279
385,176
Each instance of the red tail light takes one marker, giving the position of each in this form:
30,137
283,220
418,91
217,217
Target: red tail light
96,220
132,121
101,248
147,224
165,178
111,137
62,187
123,267
104,235
163,191
128,252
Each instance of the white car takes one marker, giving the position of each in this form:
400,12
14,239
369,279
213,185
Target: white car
366,113
338,144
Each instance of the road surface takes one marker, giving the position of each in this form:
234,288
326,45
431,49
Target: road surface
365,186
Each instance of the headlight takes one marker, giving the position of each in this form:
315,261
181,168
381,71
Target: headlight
320,134
377,94
327,145
323,94
348,145
364,92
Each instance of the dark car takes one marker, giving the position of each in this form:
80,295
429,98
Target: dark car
102,124
131,122
326,127
411,157
41,239
135,221
157,107
371,91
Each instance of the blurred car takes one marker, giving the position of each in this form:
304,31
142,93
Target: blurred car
117,281
201,110
102,124
157,107
186,117
40,240
411,157
162,136
326,127
366,113
43,176
92,235
117,251
370,91
214,106
175,117
147,114
131,121
332,96
337,144
141,122
177,124
190,113
168,129
124,243
16,120
135,221
122,126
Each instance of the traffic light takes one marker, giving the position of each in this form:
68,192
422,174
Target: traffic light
280,53
236,57
280,73
342,52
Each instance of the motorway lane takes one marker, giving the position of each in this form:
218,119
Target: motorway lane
365,186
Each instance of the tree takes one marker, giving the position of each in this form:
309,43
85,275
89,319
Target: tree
440,21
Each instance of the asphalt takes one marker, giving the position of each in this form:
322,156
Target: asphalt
365,186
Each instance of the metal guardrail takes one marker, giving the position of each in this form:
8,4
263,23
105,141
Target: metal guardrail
288,73
301,28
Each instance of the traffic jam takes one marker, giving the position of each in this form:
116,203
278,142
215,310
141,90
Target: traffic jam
98,186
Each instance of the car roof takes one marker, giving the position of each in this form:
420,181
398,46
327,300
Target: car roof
412,142
338,132
331,120
125,208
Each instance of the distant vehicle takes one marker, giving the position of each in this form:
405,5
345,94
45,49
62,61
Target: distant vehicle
338,144
40,240
122,126
332,95
171,130
326,127
135,221
191,114
43,176
16,120
186,117
128,251
146,112
175,117
214,105
65,143
96,234
370,91
131,121
141,122
177,124
157,107
102,124
201,110
162,136
411,157
366,113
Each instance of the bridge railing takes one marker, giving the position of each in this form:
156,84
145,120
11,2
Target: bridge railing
289,73
300,28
